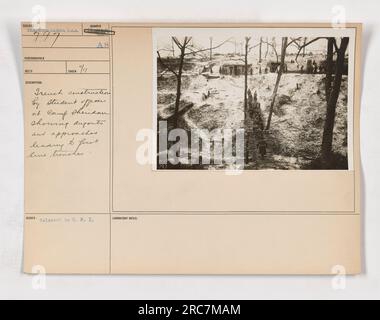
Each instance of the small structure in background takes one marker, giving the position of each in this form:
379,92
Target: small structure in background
274,66
234,68
208,73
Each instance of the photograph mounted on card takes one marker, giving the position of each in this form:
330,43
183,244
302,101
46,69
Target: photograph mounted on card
192,148
237,112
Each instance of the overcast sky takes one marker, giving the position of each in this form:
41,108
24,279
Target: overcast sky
234,42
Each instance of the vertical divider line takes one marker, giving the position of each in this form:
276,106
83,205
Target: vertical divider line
110,50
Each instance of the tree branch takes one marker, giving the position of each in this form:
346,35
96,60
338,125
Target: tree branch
179,45
187,41
294,41
165,65
253,47
207,49
195,51
307,44
274,49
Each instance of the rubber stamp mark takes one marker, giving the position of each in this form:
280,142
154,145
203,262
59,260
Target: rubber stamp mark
100,31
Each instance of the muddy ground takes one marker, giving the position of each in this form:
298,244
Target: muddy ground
297,123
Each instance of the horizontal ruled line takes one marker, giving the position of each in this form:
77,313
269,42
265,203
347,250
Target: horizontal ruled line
66,60
70,35
68,73
206,213
62,213
66,48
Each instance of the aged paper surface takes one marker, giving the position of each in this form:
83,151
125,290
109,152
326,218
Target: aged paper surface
106,194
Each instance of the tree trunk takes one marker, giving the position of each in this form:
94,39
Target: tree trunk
211,49
279,74
173,51
246,75
260,50
331,106
304,48
179,84
329,67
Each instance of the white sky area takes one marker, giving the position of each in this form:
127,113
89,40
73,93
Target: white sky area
235,43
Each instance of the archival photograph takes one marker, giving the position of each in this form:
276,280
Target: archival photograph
251,102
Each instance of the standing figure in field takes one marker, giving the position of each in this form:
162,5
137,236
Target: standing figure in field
262,146
309,67
315,66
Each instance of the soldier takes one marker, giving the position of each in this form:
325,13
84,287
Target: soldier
262,146
309,67
315,66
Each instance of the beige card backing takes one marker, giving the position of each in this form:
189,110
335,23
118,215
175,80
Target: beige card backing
103,213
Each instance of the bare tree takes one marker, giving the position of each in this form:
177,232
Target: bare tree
173,50
247,49
267,50
328,131
285,44
182,46
273,46
281,67
246,52
260,49
304,48
186,48
329,67
210,48
332,89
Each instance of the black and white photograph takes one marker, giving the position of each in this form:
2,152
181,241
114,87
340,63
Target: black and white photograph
252,100
189,157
